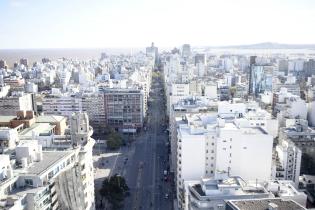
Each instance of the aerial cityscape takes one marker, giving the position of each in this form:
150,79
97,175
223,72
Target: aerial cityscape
162,105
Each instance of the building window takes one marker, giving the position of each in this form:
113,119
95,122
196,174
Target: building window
28,182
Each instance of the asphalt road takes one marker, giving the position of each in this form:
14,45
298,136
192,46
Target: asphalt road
143,162
144,173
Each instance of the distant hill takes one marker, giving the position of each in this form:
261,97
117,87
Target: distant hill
271,45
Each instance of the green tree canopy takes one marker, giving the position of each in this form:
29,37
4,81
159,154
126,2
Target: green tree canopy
114,139
114,190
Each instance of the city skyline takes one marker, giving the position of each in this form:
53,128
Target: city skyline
157,104
117,24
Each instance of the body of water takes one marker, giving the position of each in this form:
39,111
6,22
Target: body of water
33,55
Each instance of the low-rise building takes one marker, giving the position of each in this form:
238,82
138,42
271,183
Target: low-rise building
263,204
212,193
8,139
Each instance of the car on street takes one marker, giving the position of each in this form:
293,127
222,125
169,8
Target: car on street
165,172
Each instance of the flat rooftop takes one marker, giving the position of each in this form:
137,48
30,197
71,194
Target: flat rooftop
263,204
6,119
49,118
213,188
49,159
38,128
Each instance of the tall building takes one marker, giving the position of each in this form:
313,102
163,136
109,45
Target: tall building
186,51
208,146
309,67
252,62
188,105
3,64
288,161
94,106
200,58
260,79
153,52
283,66
303,137
124,109
61,177
24,61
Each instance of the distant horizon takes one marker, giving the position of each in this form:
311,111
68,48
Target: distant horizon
162,47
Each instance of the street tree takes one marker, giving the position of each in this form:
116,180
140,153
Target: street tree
114,190
114,140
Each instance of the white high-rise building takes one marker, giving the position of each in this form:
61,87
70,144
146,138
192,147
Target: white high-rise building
61,177
287,164
207,146
186,51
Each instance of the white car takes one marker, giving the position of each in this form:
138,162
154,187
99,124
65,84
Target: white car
165,172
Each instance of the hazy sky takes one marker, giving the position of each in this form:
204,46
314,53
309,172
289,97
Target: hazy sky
136,23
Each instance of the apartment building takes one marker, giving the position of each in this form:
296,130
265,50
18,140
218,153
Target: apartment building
302,136
94,105
287,162
63,105
188,105
209,145
17,101
124,109
51,179
286,105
